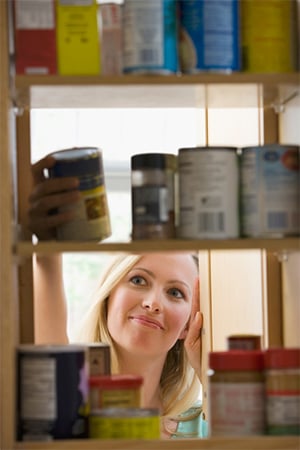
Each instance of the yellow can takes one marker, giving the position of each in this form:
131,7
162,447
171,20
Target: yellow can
268,35
125,423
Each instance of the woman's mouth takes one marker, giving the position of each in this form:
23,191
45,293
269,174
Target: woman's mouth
147,322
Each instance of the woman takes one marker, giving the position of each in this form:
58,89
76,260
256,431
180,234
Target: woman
146,309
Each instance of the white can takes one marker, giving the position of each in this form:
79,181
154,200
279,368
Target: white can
270,195
208,193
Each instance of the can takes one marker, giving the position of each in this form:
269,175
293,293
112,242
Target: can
115,391
270,190
91,221
282,367
153,186
52,392
269,35
150,36
236,393
99,359
244,342
125,423
208,193
209,36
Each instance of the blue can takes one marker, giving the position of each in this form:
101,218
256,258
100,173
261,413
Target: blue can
209,36
91,220
150,36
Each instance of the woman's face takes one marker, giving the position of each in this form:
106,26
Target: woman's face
148,310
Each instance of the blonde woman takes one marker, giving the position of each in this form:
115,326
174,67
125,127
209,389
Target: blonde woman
146,309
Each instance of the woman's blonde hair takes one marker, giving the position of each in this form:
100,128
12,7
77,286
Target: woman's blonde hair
180,386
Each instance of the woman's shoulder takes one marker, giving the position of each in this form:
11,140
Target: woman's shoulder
191,423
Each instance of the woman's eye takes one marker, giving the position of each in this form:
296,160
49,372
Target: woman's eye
137,280
176,293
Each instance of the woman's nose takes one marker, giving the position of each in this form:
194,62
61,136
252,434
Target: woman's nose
152,303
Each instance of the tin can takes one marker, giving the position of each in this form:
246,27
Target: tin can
111,38
52,392
150,36
209,35
244,342
269,35
282,367
208,193
153,185
270,190
115,391
236,393
92,220
99,359
125,423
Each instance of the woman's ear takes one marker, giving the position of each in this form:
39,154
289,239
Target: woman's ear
184,332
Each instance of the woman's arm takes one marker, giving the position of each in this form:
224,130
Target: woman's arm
50,308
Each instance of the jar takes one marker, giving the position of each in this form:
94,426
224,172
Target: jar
91,220
282,367
244,342
153,195
236,393
115,391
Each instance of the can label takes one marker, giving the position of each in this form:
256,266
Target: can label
91,215
237,408
150,36
209,37
99,359
269,35
52,393
270,191
125,423
208,193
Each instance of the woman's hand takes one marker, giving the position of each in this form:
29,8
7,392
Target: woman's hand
47,195
192,341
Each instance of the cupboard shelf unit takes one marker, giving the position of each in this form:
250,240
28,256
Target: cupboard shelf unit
235,443
272,245
22,93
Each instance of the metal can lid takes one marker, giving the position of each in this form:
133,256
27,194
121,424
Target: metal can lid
76,161
51,348
146,161
282,358
116,381
207,149
237,360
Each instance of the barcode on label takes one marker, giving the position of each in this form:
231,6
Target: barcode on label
277,220
211,221
149,56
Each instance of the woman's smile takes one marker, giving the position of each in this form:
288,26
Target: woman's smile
146,321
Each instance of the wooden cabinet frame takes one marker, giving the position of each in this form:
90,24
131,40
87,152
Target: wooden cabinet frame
16,305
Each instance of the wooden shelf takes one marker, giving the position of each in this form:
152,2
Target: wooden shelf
267,79
275,245
212,90
249,443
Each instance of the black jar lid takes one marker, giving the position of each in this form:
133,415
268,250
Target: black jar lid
150,161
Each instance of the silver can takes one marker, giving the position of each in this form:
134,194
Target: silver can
270,195
208,193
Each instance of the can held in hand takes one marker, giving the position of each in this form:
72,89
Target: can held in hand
150,36
208,193
52,392
92,221
270,196
209,37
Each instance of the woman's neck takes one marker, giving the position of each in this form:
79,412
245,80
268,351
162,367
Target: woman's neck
150,369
